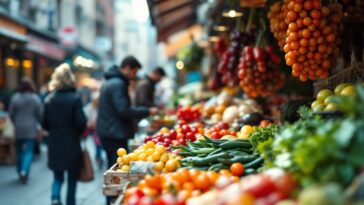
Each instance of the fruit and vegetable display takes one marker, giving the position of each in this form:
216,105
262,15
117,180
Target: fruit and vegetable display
176,188
149,152
179,135
189,114
318,150
325,97
214,155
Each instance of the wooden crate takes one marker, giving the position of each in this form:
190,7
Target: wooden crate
7,151
116,181
352,74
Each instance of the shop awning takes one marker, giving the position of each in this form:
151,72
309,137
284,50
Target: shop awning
46,48
13,35
170,17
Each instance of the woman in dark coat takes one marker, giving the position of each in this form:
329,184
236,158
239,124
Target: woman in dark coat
65,121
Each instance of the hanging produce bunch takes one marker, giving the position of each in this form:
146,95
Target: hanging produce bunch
228,66
312,35
259,72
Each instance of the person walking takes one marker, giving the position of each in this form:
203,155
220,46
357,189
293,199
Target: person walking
91,113
25,111
65,122
145,91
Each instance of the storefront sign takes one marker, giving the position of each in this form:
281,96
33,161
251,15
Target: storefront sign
68,36
45,48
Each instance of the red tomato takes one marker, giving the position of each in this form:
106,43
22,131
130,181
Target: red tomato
286,184
215,135
182,141
185,129
258,185
173,134
264,123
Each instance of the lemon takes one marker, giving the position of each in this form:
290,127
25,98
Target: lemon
149,151
316,103
119,160
329,100
121,152
159,166
142,157
160,148
155,156
149,144
164,158
331,107
150,158
126,159
133,156
171,165
340,87
125,168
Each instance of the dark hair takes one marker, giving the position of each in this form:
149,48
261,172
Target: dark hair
27,85
130,61
159,71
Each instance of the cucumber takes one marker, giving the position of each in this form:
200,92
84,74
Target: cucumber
215,152
243,159
255,163
185,154
217,167
203,151
235,144
209,159
250,171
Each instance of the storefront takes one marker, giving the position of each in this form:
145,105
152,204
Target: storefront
12,40
45,54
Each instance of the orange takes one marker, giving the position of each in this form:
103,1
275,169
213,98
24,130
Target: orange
183,176
212,176
225,172
202,182
189,186
154,182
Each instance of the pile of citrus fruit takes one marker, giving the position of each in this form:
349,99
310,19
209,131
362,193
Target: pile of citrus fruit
149,152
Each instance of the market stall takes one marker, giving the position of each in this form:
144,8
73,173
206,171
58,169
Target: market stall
266,136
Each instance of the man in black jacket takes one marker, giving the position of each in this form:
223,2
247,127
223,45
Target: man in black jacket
116,116
145,90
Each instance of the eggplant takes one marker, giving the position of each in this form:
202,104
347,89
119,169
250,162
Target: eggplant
252,119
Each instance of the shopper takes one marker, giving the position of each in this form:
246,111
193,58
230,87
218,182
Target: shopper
146,88
65,121
25,111
91,113
115,124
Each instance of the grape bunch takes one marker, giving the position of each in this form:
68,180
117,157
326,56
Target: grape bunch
311,42
228,66
259,71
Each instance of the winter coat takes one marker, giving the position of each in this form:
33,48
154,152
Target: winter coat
116,115
145,92
25,111
65,121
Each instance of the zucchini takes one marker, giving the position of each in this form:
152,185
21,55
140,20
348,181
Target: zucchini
235,144
255,163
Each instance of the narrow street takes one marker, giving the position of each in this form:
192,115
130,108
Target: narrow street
38,189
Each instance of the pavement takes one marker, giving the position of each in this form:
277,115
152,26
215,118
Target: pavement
38,189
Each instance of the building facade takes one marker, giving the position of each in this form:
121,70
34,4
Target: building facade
37,35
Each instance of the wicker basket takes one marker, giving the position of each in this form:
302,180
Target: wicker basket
352,74
116,181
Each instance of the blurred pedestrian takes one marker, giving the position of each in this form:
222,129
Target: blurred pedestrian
65,122
145,91
115,124
25,111
91,113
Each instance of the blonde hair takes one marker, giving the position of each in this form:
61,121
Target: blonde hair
62,78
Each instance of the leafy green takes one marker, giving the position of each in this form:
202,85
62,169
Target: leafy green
262,134
318,150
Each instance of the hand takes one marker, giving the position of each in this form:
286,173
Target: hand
153,110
